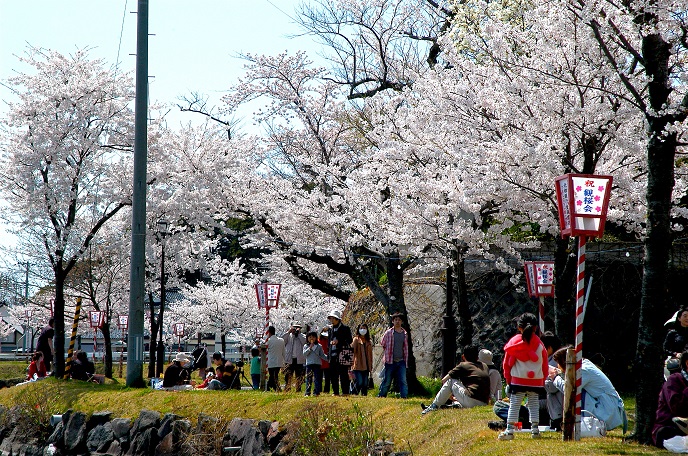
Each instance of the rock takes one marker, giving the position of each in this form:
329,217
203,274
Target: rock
75,433
115,449
120,427
99,418
143,443
244,433
180,431
166,424
264,426
274,435
100,437
57,437
147,419
166,446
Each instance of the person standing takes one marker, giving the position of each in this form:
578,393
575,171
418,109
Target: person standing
325,366
45,343
525,369
469,382
294,340
340,354
314,357
255,368
275,361
395,345
363,358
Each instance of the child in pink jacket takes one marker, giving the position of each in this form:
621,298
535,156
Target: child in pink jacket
525,369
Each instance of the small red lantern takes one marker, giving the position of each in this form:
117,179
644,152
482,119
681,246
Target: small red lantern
268,295
123,322
582,200
96,318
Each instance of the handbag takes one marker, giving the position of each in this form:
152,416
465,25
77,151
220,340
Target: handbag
346,357
371,383
591,426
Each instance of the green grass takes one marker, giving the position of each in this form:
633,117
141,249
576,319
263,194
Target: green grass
444,432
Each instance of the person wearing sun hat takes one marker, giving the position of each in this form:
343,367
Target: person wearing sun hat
340,339
485,357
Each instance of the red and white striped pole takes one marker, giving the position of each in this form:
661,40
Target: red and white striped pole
541,311
580,302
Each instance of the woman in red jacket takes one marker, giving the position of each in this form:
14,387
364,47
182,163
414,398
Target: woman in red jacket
525,369
36,367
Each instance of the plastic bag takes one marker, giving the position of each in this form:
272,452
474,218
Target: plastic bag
678,444
591,426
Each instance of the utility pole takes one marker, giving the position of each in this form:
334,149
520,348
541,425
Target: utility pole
138,222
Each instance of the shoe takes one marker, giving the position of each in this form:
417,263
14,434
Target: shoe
681,423
535,434
497,425
430,408
422,406
505,435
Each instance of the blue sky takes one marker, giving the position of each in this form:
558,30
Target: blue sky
194,47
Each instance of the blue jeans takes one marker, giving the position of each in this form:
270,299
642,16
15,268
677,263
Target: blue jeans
398,371
255,379
313,376
361,382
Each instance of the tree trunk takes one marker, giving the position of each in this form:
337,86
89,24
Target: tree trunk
59,314
395,278
661,150
460,296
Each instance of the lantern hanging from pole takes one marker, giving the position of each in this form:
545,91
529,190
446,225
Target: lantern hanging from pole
96,318
123,322
178,329
582,201
268,295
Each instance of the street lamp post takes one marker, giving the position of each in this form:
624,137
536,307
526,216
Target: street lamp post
29,314
582,201
163,232
178,330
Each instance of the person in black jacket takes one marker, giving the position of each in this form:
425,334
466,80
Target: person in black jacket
676,341
82,368
340,353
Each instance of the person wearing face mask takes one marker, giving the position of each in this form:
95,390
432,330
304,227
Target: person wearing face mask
363,358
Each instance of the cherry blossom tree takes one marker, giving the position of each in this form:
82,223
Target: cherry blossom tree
66,143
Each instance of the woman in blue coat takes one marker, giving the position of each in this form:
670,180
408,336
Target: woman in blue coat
599,395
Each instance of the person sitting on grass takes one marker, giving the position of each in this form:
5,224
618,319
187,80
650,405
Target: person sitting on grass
36,368
82,368
469,382
671,418
209,375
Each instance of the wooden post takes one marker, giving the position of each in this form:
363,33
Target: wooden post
570,395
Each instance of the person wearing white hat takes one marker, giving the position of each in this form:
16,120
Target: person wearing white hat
485,357
340,353
175,374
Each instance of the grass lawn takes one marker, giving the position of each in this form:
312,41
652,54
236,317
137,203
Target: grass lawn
444,432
